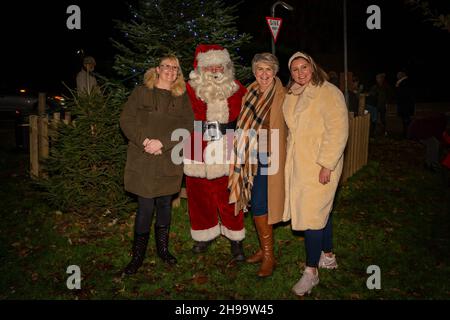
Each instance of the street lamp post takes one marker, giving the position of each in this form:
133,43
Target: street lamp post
345,56
284,5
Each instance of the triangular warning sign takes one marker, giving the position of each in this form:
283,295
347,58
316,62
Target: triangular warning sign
274,26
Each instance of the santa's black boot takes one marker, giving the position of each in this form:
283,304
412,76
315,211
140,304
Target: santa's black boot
139,248
237,250
162,244
201,246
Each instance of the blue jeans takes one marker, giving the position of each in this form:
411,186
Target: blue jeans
259,190
317,241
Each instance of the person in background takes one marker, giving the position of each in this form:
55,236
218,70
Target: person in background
354,92
429,131
371,107
405,100
382,92
86,82
333,78
153,111
317,118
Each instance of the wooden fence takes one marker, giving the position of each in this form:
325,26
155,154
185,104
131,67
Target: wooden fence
41,128
357,150
355,154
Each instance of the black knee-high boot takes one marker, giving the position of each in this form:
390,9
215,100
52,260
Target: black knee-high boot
162,244
139,249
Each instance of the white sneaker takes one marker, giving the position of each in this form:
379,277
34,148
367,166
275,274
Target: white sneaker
308,281
327,262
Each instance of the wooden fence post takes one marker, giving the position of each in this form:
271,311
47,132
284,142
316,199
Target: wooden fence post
43,137
42,103
347,151
361,104
56,117
352,147
67,117
361,142
366,137
43,143
34,147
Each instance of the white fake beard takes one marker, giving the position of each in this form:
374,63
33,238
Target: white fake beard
211,87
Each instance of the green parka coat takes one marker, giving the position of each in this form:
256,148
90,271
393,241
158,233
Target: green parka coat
154,114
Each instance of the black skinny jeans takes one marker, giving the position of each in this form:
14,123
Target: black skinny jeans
144,214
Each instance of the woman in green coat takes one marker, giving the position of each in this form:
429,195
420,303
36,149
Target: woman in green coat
153,111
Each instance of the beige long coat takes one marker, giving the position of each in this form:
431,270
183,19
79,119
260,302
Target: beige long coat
275,181
318,130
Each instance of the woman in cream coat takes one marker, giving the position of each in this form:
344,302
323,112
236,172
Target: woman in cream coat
317,118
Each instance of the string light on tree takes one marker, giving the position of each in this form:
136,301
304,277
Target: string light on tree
176,26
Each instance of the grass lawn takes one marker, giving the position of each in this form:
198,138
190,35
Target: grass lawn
392,214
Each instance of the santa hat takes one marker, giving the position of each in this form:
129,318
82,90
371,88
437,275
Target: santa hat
210,54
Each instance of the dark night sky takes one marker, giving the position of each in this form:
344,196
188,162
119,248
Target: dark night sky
39,52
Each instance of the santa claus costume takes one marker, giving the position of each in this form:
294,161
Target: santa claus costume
216,101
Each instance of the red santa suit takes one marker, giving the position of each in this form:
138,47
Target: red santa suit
205,168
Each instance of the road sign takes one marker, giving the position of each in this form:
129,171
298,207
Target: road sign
274,26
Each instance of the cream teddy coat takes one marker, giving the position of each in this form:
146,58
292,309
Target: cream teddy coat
317,120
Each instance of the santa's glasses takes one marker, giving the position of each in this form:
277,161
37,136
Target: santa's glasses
213,69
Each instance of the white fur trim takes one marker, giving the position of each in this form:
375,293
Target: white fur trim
215,158
213,57
215,152
194,168
207,234
217,110
214,171
233,235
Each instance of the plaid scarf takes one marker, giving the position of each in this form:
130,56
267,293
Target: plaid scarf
244,168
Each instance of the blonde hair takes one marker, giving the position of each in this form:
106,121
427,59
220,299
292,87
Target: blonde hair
178,87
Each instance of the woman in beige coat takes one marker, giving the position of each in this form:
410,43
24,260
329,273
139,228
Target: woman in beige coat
317,118
257,176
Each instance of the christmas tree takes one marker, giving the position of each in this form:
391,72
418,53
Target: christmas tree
159,27
87,157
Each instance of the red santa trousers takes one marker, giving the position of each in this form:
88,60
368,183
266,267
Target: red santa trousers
208,202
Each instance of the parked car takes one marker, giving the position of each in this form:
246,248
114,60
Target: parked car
17,107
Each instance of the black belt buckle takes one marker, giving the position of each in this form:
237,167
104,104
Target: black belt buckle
212,131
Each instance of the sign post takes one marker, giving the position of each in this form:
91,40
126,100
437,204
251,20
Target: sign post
274,26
